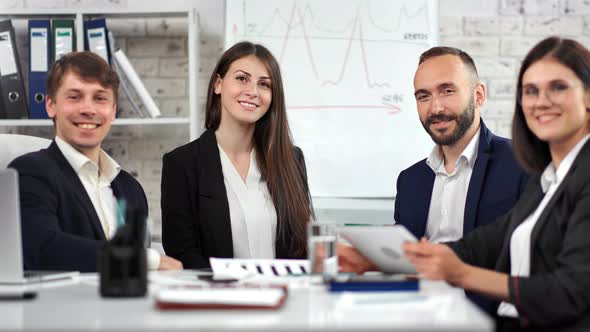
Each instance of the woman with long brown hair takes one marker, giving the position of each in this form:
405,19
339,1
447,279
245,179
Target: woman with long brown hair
240,190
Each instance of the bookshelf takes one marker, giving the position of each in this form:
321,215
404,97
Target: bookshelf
79,16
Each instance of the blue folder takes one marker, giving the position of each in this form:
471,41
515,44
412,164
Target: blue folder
381,283
96,38
39,62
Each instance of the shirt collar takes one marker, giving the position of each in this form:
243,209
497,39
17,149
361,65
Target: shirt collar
109,169
253,171
435,160
552,176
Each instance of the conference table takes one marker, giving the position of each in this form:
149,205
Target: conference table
77,306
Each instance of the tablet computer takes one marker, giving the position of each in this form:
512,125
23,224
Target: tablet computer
382,245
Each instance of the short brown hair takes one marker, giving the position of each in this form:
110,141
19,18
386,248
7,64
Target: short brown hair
533,153
89,66
446,50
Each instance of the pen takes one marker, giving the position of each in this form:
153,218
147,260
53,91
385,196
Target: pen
121,207
28,295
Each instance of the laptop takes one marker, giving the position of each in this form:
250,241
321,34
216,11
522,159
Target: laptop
11,249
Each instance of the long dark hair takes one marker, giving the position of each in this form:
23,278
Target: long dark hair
275,153
533,153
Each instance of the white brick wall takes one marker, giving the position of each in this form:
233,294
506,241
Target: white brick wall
543,26
169,27
516,47
475,46
158,46
529,7
499,39
493,26
130,27
496,33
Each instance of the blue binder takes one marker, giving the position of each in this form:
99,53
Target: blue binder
379,283
39,62
96,38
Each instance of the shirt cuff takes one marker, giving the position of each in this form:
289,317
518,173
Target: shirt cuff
153,259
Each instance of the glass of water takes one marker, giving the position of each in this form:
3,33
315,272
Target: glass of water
321,241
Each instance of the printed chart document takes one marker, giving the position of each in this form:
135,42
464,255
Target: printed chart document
228,268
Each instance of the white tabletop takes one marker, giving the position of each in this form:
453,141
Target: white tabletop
79,307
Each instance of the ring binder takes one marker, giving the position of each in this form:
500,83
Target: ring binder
95,38
39,61
63,38
14,100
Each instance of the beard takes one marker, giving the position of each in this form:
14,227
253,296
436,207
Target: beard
464,121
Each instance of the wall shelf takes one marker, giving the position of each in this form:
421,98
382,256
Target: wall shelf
80,15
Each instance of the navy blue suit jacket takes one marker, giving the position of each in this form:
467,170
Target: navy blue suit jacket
496,184
60,227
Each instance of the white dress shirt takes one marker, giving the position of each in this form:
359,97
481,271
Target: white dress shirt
449,193
96,180
252,212
520,242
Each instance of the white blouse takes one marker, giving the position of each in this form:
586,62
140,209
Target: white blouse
252,212
520,242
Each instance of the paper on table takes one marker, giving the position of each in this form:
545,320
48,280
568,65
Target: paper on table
227,268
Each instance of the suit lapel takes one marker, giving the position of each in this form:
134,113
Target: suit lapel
528,202
477,179
531,199
580,163
423,198
547,210
211,185
76,186
534,195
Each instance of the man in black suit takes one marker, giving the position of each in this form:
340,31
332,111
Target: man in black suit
68,191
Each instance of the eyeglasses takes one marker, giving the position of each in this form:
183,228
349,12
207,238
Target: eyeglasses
557,93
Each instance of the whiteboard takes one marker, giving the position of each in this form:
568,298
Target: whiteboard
348,68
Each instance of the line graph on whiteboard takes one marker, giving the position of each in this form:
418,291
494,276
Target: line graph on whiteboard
341,61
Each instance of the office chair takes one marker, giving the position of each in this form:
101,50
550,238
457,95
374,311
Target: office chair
12,146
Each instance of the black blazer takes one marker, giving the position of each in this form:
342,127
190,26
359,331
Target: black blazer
195,212
557,293
60,227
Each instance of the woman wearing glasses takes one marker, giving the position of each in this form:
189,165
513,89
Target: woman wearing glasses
536,260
